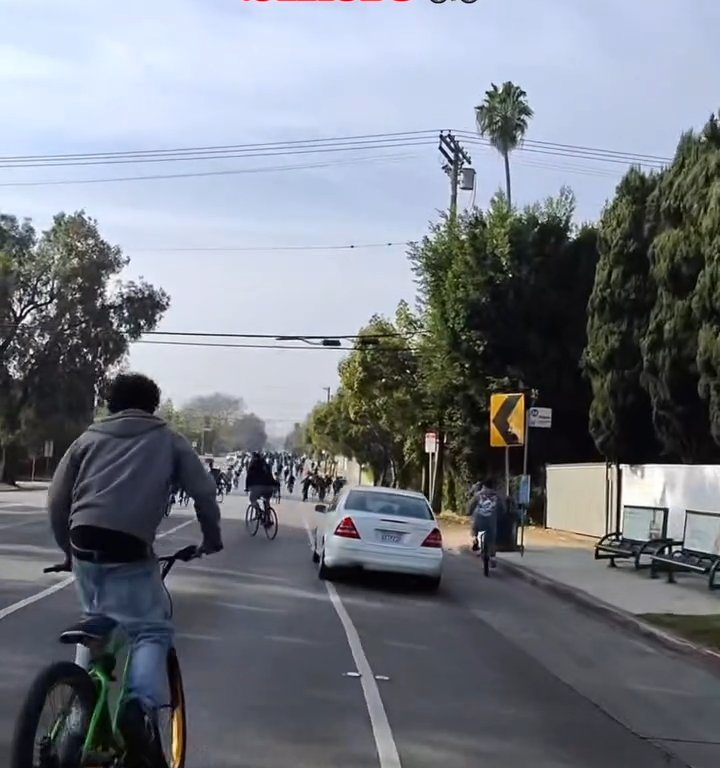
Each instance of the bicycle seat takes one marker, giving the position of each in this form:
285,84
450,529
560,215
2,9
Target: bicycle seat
88,630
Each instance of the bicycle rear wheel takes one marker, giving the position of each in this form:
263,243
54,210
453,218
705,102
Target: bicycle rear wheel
271,523
485,558
173,718
59,739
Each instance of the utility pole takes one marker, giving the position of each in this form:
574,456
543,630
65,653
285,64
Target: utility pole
327,392
456,157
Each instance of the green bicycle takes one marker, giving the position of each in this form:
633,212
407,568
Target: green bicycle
83,732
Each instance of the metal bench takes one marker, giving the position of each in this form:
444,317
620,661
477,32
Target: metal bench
644,533
698,553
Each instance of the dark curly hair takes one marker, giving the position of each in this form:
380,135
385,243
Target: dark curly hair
133,390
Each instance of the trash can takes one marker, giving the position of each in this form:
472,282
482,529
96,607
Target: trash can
508,525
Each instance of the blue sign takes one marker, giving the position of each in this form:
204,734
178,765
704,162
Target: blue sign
524,491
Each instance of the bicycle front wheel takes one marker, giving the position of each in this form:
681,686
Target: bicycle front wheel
252,519
54,718
271,523
173,718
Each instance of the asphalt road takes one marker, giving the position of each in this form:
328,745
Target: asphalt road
487,672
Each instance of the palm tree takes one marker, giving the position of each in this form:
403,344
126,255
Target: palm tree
503,117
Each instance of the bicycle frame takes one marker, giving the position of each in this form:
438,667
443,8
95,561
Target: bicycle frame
102,730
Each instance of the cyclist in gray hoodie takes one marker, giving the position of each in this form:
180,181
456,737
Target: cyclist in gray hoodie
485,506
106,501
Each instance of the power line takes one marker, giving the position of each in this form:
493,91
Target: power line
232,154
221,345
269,248
283,336
202,174
280,347
579,147
578,155
223,147
268,336
316,145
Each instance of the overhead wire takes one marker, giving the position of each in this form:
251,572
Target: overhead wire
203,174
226,147
279,347
270,248
232,154
319,145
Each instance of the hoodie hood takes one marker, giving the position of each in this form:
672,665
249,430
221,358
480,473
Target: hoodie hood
130,423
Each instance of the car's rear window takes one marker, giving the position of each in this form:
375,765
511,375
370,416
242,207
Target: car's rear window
379,503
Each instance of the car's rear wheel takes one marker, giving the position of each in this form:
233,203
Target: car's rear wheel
432,583
324,572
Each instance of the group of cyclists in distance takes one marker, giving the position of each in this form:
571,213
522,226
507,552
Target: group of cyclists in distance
266,475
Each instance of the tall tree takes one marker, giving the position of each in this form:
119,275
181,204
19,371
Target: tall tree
683,254
503,117
620,416
65,321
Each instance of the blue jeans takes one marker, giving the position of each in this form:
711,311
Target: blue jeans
133,595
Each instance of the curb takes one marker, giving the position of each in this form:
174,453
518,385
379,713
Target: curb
616,615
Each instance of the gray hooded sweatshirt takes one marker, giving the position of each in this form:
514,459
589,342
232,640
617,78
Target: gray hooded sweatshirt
118,474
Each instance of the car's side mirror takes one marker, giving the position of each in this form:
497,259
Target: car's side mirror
321,507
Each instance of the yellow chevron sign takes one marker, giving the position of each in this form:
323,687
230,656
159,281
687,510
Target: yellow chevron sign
507,420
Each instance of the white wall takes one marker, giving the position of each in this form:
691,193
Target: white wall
349,469
676,486
579,500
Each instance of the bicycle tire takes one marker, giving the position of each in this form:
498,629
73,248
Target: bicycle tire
23,749
486,560
271,531
176,750
254,523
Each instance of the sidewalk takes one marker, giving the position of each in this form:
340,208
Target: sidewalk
568,560
563,563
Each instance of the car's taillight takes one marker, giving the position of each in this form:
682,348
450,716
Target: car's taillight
346,529
434,539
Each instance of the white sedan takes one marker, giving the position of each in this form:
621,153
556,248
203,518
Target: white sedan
378,529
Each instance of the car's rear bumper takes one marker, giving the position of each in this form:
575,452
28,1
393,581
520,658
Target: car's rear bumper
347,553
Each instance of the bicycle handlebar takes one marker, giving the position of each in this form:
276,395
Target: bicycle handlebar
185,554
58,567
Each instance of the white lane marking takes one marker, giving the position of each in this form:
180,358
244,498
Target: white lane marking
388,756
15,607
7,526
387,751
4,612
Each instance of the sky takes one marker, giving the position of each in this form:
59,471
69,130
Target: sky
83,76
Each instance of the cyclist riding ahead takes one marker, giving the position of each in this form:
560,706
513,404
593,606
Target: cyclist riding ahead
259,480
106,502
485,507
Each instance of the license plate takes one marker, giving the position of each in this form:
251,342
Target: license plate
390,538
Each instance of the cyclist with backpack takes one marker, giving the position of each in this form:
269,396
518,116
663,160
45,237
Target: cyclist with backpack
485,507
